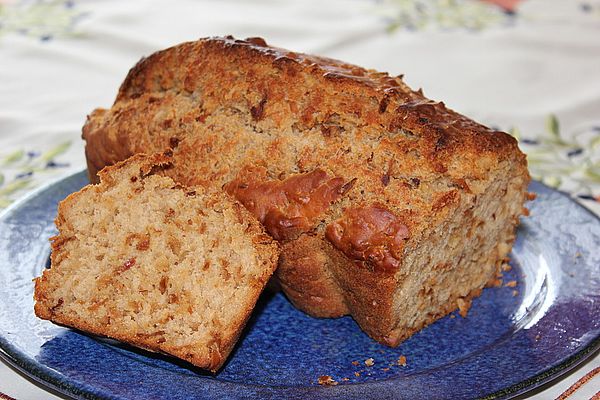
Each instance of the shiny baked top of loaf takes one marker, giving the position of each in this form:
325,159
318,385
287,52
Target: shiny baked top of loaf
291,134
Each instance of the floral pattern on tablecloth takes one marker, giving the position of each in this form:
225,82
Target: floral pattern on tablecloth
592,8
42,19
418,15
23,170
566,161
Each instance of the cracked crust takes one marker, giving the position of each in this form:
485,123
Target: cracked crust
259,121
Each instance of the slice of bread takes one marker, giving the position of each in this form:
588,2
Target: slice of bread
143,260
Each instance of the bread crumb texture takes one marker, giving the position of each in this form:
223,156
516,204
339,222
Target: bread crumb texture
402,361
327,380
146,261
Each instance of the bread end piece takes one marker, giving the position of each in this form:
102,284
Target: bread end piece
155,264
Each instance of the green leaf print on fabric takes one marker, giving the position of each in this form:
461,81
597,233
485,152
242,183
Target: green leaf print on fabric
418,15
569,162
22,171
42,19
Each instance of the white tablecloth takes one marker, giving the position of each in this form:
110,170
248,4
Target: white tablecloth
531,67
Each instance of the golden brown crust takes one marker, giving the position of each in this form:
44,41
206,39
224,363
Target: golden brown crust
229,106
289,207
438,133
372,236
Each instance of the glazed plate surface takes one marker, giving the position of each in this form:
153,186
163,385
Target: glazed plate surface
515,338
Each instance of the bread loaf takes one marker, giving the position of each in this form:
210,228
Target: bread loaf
388,206
143,260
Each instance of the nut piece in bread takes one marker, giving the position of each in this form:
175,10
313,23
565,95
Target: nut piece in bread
146,261
388,206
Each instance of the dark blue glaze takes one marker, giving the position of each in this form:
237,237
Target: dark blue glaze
509,343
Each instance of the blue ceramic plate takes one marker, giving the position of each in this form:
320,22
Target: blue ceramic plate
514,338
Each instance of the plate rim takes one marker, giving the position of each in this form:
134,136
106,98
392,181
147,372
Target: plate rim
46,377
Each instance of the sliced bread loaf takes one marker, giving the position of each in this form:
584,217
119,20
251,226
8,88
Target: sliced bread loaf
143,260
388,206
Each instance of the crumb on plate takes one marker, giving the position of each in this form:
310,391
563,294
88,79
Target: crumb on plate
463,307
327,380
